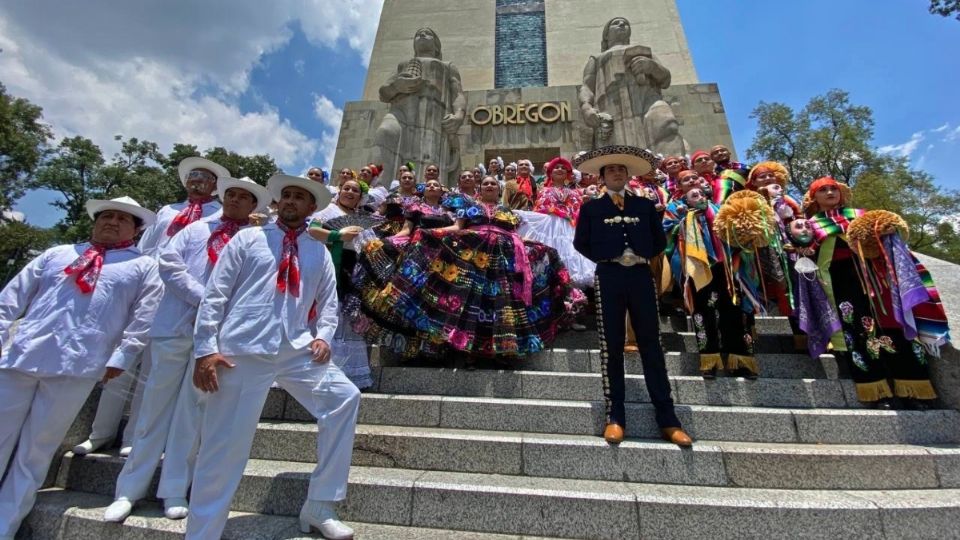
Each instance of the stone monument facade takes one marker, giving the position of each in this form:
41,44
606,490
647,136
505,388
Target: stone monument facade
426,110
622,95
470,107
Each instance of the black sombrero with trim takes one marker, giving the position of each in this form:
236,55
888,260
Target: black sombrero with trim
638,161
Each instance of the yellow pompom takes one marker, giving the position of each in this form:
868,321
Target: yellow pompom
745,220
865,232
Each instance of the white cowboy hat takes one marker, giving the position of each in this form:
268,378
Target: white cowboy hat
320,193
259,192
638,161
191,163
121,204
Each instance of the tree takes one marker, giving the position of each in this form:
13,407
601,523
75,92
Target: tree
73,170
23,141
945,8
828,137
259,167
831,136
19,243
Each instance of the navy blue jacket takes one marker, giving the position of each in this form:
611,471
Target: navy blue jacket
598,240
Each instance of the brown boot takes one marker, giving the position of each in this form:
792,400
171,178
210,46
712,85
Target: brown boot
800,343
613,433
677,436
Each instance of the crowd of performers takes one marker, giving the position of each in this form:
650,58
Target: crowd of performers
241,287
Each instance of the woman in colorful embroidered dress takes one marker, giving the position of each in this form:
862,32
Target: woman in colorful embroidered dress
477,287
876,337
467,184
349,349
553,220
377,263
672,166
696,258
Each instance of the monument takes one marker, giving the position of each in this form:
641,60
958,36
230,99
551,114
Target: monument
527,78
621,97
426,110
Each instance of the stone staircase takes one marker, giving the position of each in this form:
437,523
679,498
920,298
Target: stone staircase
443,452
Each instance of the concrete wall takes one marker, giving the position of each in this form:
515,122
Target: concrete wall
466,31
574,27
699,109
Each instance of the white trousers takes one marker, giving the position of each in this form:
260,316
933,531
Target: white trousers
156,433
114,398
230,422
37,413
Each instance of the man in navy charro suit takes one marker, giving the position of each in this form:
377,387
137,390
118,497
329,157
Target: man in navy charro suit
622,232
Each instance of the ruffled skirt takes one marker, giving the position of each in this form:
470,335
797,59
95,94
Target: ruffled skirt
557,233
465,290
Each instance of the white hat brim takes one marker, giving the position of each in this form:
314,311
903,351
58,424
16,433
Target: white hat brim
261,193
191,163
95,206
638,161
320,193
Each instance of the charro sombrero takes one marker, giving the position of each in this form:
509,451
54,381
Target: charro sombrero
320,193
638,161
191,163
122,204
259,192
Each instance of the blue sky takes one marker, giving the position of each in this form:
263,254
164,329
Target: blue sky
276,78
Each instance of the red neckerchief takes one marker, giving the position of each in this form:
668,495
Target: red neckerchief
88,265
188,215
525,186
222,234
288,276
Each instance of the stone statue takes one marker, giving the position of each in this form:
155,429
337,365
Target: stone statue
621,96
427,107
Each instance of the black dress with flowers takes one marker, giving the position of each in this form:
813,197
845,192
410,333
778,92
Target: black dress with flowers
481,290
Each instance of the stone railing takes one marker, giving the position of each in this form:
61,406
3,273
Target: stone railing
945,371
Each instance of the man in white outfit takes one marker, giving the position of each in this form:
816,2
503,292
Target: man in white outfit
199,178
168,422
85,311
255,325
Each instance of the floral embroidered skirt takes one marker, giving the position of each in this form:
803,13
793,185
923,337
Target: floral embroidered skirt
464,290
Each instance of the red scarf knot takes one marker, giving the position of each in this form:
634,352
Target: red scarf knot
222,234
188,215
288,276
88,265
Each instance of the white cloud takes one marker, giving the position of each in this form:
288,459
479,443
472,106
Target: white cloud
941,129
905,149
330,116
953,135
170,71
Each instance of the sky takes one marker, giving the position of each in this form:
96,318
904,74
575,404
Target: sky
273,77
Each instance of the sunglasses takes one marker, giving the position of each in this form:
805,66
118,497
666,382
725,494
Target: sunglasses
701,159
200,175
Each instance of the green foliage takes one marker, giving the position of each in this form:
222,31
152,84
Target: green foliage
23,141
945,8
832,137
828,137
19,243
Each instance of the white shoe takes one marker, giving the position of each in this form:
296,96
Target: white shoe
125,451
577,327
118,510
175,508
320,515
90,445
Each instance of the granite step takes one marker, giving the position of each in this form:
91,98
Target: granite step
586,457
578,508
731,423
72,515
772,365
682,341
692,390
